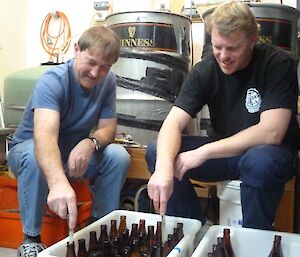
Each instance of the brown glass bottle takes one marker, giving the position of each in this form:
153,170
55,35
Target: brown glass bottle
103,236
126,251
70,249
168,246
93,244
155,251
135,248
142,229
116,245
124,238
276,250
113,229
180,231
150,238
158,234
133,233
227,242
122,225
94,254
106,249
175,235
145,253
220,247
82,252
142,242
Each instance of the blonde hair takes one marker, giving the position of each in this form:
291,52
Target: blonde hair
231,17
101,37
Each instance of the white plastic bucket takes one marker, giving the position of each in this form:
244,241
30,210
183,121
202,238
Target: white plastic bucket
229,196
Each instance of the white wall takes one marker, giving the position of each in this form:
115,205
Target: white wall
13,34
78,12
21,20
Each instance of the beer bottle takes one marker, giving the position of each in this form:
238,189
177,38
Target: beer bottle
158,234
103,236
142,229
276,250
145,253
220,247
116,245
81,248
155,251
70,249
135,251
113,229
150,238
122,225
126,251
168,246
133,233
142,242
227,242
93,244
175,235
124,238
180,230
94,254
106,250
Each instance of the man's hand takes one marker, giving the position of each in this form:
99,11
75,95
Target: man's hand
186,161
62,201
80,157
160,188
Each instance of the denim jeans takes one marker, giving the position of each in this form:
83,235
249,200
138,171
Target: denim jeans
107,172
263,170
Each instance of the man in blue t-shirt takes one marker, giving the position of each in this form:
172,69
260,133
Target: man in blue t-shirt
251,91
66,132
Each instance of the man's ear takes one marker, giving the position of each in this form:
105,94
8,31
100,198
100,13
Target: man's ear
76,48
253,39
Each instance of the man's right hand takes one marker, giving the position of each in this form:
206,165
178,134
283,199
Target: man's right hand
62,201
160,188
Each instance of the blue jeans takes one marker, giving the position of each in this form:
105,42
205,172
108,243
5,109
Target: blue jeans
263,170
107,172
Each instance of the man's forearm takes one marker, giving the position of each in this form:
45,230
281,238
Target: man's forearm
48,157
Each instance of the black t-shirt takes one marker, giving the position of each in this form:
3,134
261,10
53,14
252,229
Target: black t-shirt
236,101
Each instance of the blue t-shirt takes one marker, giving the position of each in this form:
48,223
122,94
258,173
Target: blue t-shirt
80,110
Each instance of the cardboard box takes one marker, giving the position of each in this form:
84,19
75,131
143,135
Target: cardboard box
248,242
184,248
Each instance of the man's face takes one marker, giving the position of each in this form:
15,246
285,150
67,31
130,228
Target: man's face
232,52
90,67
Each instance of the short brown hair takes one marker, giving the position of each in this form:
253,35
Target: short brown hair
105,38
231,17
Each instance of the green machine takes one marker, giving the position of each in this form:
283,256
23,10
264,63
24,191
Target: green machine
17,89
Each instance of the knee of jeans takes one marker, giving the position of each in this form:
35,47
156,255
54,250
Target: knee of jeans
150,156
123,157
260,169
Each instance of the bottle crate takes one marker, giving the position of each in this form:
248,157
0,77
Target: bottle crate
247,242
184,248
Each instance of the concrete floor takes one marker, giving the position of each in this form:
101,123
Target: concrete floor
8,252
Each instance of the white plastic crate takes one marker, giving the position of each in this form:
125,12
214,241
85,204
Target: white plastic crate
247,242
184,248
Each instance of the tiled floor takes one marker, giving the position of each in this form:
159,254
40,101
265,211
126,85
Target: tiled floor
8,252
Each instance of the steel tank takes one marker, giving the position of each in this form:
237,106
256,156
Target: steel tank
155,58
278,25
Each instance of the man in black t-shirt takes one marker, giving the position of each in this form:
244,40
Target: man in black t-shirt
251,91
